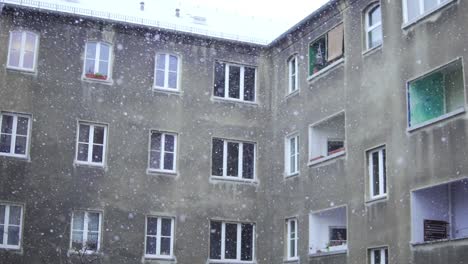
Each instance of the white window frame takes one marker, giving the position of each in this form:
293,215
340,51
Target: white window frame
22,51
382,250
163,152
91,144
293,77
240,160
288,154
223,258
382,172
7,224
97,60
166,72
241,82
85,230
14,134
440,4
158,237
369,28
290,239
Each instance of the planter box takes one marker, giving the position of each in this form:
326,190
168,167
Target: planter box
94,76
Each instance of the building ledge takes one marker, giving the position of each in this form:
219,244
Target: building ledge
327,158
437,119
325,70
329,253
438,242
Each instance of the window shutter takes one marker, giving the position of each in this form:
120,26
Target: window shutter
335,43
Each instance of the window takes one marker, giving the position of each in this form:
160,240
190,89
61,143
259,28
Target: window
440,212
233,159
326,50
22,53
293,76
162,155
415,9
373,27
86,231
291,238
292,155
378,256
436,95
377,173
91,145
159,237
11,218
97,61
166,72
235,82
328,231
232,241
327,138
14,134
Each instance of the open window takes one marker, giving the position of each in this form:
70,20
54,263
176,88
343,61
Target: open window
436,95
440,212
326,50
327,138
328,231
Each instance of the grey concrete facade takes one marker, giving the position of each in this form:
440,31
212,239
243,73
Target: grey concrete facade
369,87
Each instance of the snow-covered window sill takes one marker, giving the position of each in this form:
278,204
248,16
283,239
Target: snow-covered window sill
231,100
213,261
327,158
372,50
325,70
233,180
291,260
167,91
164,258
328,253
22,70
377,199
161,172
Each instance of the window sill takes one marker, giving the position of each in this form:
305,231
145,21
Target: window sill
161,172
167,90
87,252
89,165
436,120
22,70
325,70
227,100
416,20
291,260
91,80
292,94
13,156
372,50
226,261
327,158
289,176
11,248
155,257
377,199
440,241
232,179
329,253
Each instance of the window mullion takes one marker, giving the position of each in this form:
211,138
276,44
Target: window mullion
90,143
85,230
6,224
225,155
163,150
158,237
13,134
223,238
288,234
166,71
226,82
421,7
241,83
239,242
171,239
381,174
96,59
240,160
371,174
22,49
382,256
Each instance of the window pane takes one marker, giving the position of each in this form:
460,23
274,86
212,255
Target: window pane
427,100
78,220
104,68
219,79
375,173
5,143
91,50
172,80
169,144
169,161
152,226
292,226
30,44
92,242
89,66
166,225
247,242
232,159
159,78
161,62
375,16
14,58
28,60
83,133
173,63
151,245
13,235
155,159
15,47
386,256
429,4
375,37
77,240
104,52
165,246
234,82
384,172
248,162
377,256
215,240
249,84
292,164
83,152
22,126
217,157
15,215
93,221
7,124
412,7
97,153
2,230
317,56
16,38
98,135
156,141
231,241
2,214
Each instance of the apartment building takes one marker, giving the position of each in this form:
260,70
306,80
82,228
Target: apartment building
342,141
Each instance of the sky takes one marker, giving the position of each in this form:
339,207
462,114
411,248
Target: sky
260,19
